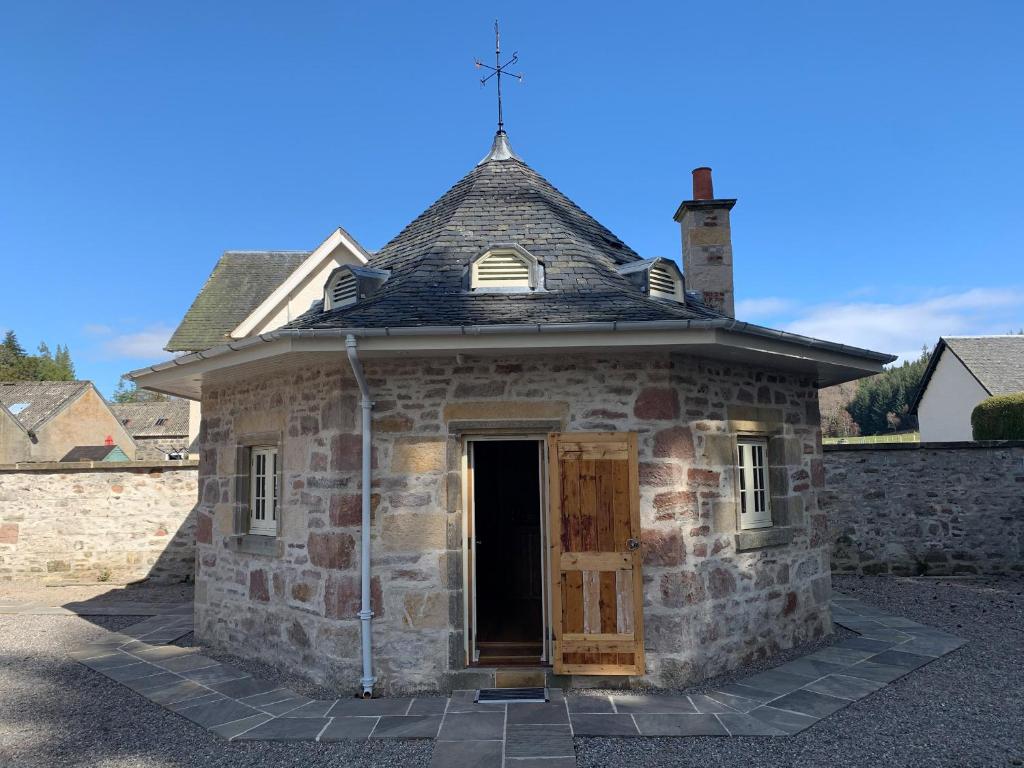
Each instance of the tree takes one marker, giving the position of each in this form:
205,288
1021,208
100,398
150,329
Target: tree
882,403
17,365
128,392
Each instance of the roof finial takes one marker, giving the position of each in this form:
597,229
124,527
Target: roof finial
498,70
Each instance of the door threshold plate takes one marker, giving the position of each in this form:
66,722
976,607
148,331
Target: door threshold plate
511,696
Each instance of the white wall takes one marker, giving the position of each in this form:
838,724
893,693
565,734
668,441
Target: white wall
311,289
944,413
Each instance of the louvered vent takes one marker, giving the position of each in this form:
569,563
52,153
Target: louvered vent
344,290
662,282
501,269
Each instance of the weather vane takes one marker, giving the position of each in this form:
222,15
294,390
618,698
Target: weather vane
498,70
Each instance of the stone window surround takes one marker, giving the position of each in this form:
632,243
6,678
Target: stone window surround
241,540
776,534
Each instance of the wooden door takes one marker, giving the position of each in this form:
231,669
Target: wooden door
596,584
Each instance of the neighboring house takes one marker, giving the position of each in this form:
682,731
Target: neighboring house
96,453
43,420
963,371
160,429
507,438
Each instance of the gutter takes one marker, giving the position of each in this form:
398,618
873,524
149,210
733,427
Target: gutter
365,610
722,323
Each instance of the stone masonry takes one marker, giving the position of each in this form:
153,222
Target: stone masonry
113,522
927,508
713,598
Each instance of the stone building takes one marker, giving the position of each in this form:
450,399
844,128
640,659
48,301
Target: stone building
508,439
44,420
161,429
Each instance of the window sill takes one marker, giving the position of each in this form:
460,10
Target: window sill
252,544
760,538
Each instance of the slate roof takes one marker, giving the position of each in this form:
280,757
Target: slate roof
997,362
95,453
40,399
502,200
239,283
140,419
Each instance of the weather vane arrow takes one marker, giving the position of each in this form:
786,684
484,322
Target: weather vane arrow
498,70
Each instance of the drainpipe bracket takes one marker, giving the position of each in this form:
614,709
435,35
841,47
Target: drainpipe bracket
365,615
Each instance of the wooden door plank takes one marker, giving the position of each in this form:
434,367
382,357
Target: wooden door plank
636,575
595,561
588,506
555,544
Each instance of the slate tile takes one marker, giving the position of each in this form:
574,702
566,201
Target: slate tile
739,724
217,713
369,707
279,708
344,728
679,725
246,686
586,724
186,663
539,741
537,713
467,754
737,703
195,702
472,726
789,722
865,644
748,692
269,697
181,691
156,653
845,687
894,658
540,762
312,709
930,646
428,705
411,727
810,703
117,659
231,730
589,704
132,671
286,729
707,706
652,704
777,681
217,674
837,655
882,673
813,668
153,682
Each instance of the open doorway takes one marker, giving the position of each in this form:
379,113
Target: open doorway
508,551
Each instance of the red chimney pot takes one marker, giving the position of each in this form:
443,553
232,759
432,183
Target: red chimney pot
702,188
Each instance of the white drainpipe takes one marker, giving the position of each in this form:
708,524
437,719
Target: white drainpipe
365,612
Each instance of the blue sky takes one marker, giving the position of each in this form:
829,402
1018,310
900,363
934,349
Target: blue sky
875,148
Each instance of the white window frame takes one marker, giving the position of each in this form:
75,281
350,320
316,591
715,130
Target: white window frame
753,495
264,493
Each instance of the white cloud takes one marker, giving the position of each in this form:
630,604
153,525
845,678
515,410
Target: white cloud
96,329
901,328
770,306
146,344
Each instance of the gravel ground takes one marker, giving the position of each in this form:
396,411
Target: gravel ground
965,709
55,712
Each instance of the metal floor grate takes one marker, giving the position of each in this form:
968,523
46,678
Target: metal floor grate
511,696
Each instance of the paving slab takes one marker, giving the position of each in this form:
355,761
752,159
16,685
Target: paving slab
744,725
186,663
284,707
539,741
603,725
788,722
897,658
537,713
286,729
817,705
881,673
220,673
312,709
630,705
208,698
407,727
706,705
749,692
540,762
472,726
368,707
813,668
845,687
217,713
679,725
733,701
428,705
233,729
590,704
246,686
345,728
180,691
778,681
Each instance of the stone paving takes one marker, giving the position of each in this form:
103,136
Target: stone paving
779,702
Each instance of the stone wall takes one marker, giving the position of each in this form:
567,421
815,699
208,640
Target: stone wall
926,508
713,598
89,521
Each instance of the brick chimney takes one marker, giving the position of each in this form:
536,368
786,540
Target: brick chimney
707,244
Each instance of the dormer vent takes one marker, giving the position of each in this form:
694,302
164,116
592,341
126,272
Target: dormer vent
658,278
349,284
505,267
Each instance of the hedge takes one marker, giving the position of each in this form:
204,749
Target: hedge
999,418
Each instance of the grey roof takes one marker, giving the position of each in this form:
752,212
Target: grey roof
502,200
140,419
94,453
997,362
34,402
239,283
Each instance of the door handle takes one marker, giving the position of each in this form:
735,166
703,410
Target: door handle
632,544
